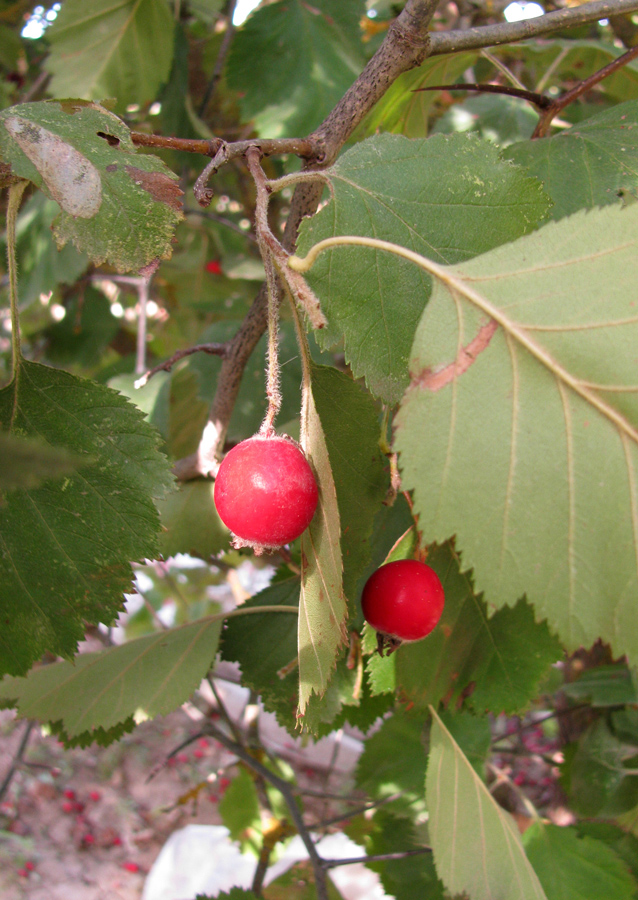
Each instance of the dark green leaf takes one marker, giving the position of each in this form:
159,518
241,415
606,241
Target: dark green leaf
190,522
411,878
576,868
264,646
26,463
66,546
118,206
604,686
429,196
593,163
494,117
308,56
599,783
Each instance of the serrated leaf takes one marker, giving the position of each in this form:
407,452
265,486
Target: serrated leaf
100,736
350,422
590,164
622,842
65,547
309,56
191,523
576,868
322,606
498,662
410,878
393,762
26,463
477,849
431,196
519,433
264,645
604,686
118,206
110,48
602,773
156,674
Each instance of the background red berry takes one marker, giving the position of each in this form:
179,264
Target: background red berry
403,599
265,492
214,267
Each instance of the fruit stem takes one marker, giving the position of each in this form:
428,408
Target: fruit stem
15,196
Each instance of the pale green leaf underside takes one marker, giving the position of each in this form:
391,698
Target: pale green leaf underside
119,49
527,448
155,674
432,196
118,206
322,605
477,849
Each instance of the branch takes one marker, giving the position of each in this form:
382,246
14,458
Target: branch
287,793
17,760
404,47
375,857
167,365
508,32
538,100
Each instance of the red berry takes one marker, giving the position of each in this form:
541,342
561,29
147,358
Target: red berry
23,873
214,267
265,492
29,866
68,807
69,793
95,796
403,601
131,867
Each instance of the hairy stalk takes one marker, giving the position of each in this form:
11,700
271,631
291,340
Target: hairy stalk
15,197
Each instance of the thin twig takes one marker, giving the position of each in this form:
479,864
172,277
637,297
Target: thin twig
538,100
352,813
140,352
17,759
288,794
223,711
167,365
545,121
221,58
374,857
510,32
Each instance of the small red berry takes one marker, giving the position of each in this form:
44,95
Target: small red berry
23,873
214,267
69,793
29,866
68,807
265,492
403,601
95,796
131,867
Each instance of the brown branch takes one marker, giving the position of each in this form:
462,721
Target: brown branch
17,760
545,121
509,32
404,47
375,857
539,100
205,148
167,365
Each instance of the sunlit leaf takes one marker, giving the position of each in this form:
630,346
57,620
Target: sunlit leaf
477,849
519,433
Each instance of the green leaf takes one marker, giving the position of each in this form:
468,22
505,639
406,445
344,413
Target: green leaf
153,399
118,206
309,55
622,842
111,48
65,547
410,878
519,431
576,868
350,421
477,848
402,110
604,686
84,333
602,773
495,117
503,658
323,606
100,736
191,522
590,164
155,674
394,761
264,645
430,196
26,463
472,734
239,807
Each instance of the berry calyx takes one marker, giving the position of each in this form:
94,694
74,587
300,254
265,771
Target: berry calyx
403,601
265,492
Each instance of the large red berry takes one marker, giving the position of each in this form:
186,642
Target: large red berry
403,601
265,492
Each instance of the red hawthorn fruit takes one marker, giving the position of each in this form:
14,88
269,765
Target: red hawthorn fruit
265,492
214,267
403,601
